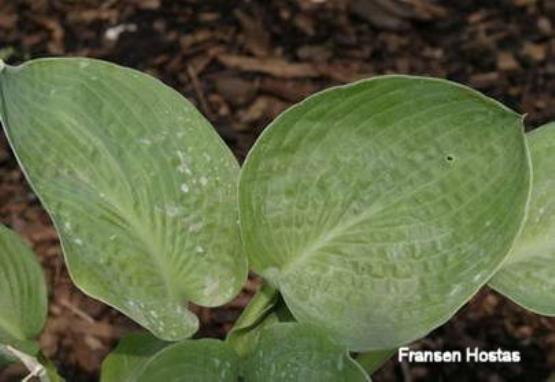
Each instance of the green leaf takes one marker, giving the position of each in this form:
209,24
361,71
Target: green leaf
50,369
23,299
528,275
265,308
260,305
140,187
193,361
379,208
299,352
126,362
256,314
373,360
23,306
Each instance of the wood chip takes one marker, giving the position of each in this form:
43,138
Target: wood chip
377,16
316,53
273,66
484,80
290,90
197,86
257,38
305,24
236,91
197,37
39,233
536,52
149,4
506,62
56,42
427,10
76,310
524,3
545,26
395,14
263,107
8,21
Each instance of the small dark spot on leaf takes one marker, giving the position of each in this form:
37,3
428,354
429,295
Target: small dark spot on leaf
449,158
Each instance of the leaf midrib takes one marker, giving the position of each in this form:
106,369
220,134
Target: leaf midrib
131,218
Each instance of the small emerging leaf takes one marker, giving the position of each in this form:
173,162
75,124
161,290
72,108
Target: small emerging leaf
252,319
528,274
139,185
265,308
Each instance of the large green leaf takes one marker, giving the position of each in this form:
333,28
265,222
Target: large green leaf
126,362
379,208
299,352
528,274
23,300
193,361
140,187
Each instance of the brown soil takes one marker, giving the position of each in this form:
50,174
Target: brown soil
243,62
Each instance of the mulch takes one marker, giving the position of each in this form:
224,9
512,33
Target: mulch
242,63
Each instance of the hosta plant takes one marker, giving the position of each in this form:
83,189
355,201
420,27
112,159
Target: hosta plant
372,212
23,307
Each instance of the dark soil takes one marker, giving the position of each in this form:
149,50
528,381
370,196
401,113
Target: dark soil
242,63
